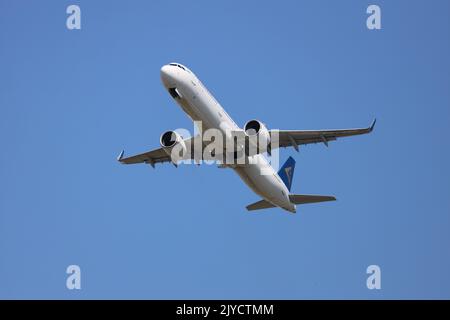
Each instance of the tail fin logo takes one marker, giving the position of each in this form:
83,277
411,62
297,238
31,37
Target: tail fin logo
288,171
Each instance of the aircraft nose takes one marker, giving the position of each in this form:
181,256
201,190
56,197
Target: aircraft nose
168,76
165,72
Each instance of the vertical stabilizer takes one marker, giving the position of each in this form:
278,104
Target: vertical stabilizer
286,172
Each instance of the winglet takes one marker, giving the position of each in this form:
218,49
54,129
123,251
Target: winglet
372,125
120,155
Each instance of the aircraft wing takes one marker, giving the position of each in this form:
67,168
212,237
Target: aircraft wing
294,138
151,157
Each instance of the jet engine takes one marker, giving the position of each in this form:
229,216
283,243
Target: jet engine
259,136
173,144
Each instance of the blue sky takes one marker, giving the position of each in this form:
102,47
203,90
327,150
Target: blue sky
71,100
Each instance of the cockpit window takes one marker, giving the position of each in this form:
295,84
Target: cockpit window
177,65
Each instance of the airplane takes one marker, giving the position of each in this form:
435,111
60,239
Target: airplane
198,103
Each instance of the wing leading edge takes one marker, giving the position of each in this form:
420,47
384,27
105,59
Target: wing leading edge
294,138
151,157
155,156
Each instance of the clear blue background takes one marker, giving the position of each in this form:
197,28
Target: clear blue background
71,100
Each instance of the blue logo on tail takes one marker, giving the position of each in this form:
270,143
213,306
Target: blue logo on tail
286,172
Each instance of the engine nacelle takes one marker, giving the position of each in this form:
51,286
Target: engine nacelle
174,145
259,136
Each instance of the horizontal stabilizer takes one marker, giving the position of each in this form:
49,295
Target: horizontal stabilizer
307,198
262,204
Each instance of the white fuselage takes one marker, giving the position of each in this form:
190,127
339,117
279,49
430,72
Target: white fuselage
200,105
